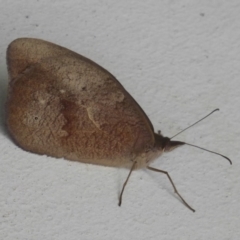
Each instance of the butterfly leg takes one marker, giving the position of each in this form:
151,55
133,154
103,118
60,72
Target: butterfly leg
175,189
125,183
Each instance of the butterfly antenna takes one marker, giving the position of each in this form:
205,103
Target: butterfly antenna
209,151
217,109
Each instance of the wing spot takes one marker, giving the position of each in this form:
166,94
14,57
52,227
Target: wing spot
62,91
90,113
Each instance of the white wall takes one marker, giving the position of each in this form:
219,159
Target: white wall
179,60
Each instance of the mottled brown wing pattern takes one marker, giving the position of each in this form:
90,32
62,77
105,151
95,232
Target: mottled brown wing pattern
64,105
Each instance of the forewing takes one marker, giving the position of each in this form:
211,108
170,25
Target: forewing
70,106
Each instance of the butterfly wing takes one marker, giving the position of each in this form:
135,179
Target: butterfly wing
65,105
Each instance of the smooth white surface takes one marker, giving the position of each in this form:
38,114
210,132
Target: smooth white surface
179,60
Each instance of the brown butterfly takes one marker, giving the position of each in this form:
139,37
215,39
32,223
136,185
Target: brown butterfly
64,105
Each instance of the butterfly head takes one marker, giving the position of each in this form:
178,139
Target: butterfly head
165,144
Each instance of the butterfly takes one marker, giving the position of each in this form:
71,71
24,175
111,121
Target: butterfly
64,105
